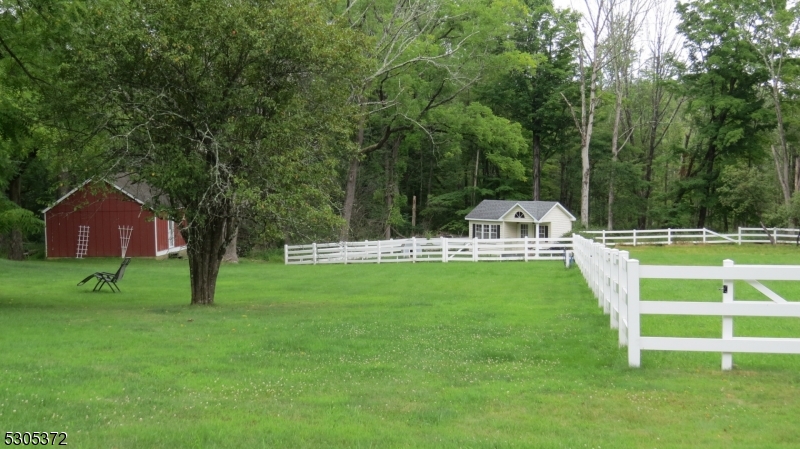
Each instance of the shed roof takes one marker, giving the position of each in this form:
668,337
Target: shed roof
140,192
496,209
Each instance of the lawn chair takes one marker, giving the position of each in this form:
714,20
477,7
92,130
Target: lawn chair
108,278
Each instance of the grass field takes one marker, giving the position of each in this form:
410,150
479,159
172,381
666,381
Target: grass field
484,355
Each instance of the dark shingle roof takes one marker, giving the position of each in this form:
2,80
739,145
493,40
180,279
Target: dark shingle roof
141,192
495,209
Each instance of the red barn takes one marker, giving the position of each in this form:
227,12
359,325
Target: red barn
105,207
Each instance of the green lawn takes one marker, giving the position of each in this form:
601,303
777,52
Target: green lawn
490,355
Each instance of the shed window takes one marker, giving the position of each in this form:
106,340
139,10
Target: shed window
523,230
485,231
519,215
544,232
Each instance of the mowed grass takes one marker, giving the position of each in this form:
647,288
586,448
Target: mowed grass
484,355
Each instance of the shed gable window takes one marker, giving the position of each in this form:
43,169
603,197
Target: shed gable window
519,215
485,231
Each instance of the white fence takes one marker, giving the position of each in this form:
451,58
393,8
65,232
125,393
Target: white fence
614,279
428,250
669,236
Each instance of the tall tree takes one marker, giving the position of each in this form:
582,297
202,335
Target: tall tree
226,108
592,58
773,30
532,95
722,90
661,105
624,27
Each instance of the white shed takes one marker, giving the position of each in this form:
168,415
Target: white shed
500,219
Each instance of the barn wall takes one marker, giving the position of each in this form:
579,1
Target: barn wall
162,236
103,213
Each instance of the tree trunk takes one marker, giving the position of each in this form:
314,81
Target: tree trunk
390,162
349,198
352,177
475,175
15,249
231,254
206,244
537,166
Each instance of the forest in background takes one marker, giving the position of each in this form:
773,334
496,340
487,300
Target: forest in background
632,115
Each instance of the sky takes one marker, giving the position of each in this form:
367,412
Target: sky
648,26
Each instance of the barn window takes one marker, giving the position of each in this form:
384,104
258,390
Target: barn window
519,215
485,231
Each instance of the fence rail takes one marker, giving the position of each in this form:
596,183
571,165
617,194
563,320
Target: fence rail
428,250
670,236
614,279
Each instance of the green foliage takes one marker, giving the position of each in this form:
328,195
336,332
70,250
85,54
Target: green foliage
15,218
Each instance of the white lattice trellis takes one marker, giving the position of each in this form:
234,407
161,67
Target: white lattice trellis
83,241
125,238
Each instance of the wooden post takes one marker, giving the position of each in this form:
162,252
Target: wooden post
413,250
704,235
345,253
414,213
727,321
604,237
286,254
775,235
536,242
379,251
669,236
740,235
634,327
634,237
474,249
444,250
314,252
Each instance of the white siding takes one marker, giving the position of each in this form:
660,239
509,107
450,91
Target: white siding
559,222
509,216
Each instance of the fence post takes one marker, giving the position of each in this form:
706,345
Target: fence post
606,280
634,237
314,252
596,272
669,236
740,235
526,248
604,237
379,251
286,254
704,235
444,250
536,245
623,299
474,249
413,250
634,329
345,253
727,321
775,235
613,279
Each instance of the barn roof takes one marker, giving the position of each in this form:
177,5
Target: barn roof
141,192
496,209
